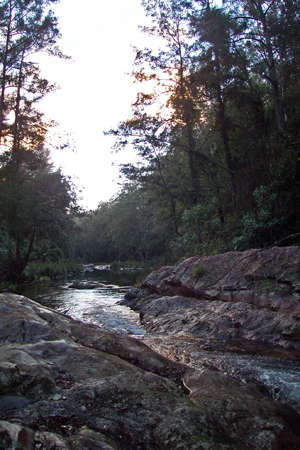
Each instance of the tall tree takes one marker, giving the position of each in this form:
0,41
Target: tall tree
35,200
26,27
218,135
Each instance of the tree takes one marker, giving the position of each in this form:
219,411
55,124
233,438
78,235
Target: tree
271,39
217,134
35,199
26,27
35,203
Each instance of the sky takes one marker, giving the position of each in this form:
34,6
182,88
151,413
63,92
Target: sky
95,89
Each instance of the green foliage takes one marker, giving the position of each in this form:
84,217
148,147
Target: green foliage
202,231
258,227
35,199
198,270
184,245
49,270
34,213
124,229
8,286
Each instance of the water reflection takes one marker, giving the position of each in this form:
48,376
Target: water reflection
98,306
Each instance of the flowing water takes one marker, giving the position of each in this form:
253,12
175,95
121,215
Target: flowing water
98,306
280,378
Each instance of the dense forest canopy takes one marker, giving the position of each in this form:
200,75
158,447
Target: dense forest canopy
217,137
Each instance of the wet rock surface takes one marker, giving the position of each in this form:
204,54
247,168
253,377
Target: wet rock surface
237,315
252,295
277,377
217,371
69,385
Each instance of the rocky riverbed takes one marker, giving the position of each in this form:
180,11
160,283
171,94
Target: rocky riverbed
237,314
219,368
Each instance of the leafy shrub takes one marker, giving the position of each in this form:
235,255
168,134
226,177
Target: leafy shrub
198,270
258,226
49,270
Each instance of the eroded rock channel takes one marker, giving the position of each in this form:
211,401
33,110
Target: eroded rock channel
218,369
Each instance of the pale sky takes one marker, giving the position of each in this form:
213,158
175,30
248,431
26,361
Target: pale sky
95,88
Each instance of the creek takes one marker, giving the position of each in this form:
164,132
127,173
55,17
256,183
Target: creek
279,378
98,306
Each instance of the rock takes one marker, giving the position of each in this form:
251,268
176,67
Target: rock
88,268
8,402
94,267
74,386
272,372
226,401
237,313
15,436
257,289
250,276
130,295
219,319
89,439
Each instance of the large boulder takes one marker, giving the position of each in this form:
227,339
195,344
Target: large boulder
253,295
69,385
237,313
257,276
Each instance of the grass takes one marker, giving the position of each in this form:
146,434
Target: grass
49,270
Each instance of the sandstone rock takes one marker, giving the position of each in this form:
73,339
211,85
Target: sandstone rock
131,294
272,372
227,401
237,313
219,319
15,436
67,385
252,294
260,273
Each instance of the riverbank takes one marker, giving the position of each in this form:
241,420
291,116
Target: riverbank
69,385
196,381
87,300
236,313
252,295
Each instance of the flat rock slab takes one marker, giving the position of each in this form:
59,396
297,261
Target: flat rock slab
275,269
273,372
253,295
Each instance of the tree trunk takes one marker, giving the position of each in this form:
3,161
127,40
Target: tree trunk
4,70
222,126
273,75
16,127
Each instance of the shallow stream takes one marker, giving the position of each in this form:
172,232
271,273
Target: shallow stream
280,378
98,306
